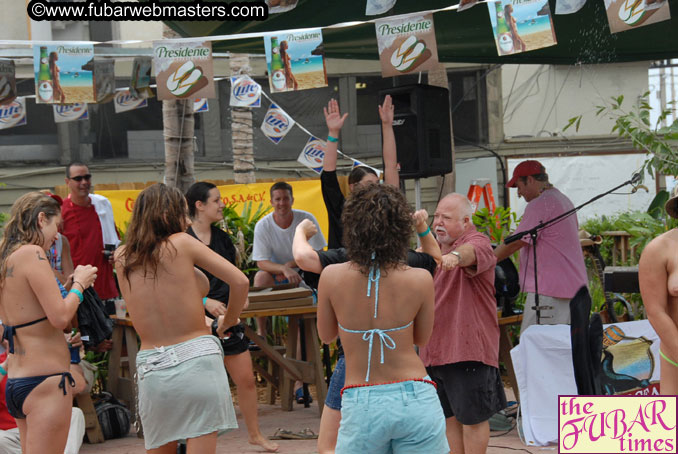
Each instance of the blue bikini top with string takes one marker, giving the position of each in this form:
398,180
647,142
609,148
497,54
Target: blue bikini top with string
368,335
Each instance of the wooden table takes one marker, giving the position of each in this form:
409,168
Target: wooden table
505,346
121,374
309,371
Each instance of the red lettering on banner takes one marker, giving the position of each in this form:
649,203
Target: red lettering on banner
129,204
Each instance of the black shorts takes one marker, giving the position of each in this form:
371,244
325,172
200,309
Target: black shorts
470,391
237,343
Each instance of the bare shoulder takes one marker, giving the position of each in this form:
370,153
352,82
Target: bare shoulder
416,276
29,252
336,270
662,246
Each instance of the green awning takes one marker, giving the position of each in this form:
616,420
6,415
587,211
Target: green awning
583,37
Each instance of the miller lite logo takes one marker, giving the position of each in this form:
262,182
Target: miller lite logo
313,154
200,105
124,101
69,112
245,92
276,124
13,114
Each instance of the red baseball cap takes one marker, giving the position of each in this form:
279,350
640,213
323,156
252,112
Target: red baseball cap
525,169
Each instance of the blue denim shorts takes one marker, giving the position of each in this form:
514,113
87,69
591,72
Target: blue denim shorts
333,399
396,418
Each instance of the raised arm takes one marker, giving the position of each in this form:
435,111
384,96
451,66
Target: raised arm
389,146
428,242
334,121
304,255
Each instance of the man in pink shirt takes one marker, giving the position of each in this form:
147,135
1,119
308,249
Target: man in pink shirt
560,262
462,354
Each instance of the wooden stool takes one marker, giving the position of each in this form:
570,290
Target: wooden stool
621,246
271,375
92,428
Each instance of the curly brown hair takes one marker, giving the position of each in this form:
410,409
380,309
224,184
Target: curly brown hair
22,227
159,211
377,220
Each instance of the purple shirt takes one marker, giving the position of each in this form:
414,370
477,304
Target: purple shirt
560,261
465,327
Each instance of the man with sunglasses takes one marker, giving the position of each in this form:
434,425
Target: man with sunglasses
87,222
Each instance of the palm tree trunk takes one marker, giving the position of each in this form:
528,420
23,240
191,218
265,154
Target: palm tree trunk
178,129
242,134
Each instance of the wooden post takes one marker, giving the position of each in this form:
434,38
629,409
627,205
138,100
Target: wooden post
242,134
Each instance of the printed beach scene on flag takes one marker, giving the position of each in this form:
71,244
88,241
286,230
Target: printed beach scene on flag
7,81
59,74
623,15
521,26
295,60
406,45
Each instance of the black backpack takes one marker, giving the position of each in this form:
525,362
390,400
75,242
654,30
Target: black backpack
114,418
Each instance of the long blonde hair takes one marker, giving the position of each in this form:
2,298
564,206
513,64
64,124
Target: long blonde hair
22,227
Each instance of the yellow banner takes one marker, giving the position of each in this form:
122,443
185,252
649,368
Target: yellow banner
307,197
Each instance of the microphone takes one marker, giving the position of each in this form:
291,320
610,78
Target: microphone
636,178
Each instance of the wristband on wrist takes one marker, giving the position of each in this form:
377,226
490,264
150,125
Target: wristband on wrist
204,301
77,293
81,286
425,232
3,371
332,139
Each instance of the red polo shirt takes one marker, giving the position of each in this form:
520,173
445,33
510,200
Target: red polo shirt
465,326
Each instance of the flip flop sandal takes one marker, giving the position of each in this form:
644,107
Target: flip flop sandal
307,434
281,434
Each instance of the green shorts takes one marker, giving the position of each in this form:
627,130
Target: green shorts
186,399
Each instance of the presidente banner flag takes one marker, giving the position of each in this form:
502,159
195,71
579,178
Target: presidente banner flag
313,154
183,69
70,112
13,114
140,86
521,25
295,60
63,73
306,196
624,15
104,80
245,92
7,81
276,124
124,101
406,44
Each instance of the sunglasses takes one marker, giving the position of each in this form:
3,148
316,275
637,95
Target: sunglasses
79,178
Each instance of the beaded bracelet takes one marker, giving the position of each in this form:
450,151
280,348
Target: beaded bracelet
77,293
425,232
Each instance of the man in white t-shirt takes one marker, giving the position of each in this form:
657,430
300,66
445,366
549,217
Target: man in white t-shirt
273,237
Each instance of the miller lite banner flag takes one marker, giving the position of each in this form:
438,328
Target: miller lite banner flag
276,124
124,101
245,92
183,69
313,154
200,105
406,44
70,112
7,81
13,114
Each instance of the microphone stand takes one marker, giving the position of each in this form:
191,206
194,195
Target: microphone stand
534,231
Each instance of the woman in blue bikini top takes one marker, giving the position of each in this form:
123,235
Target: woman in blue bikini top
379,306
34,314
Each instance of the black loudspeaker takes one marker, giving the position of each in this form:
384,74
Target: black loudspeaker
421,125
